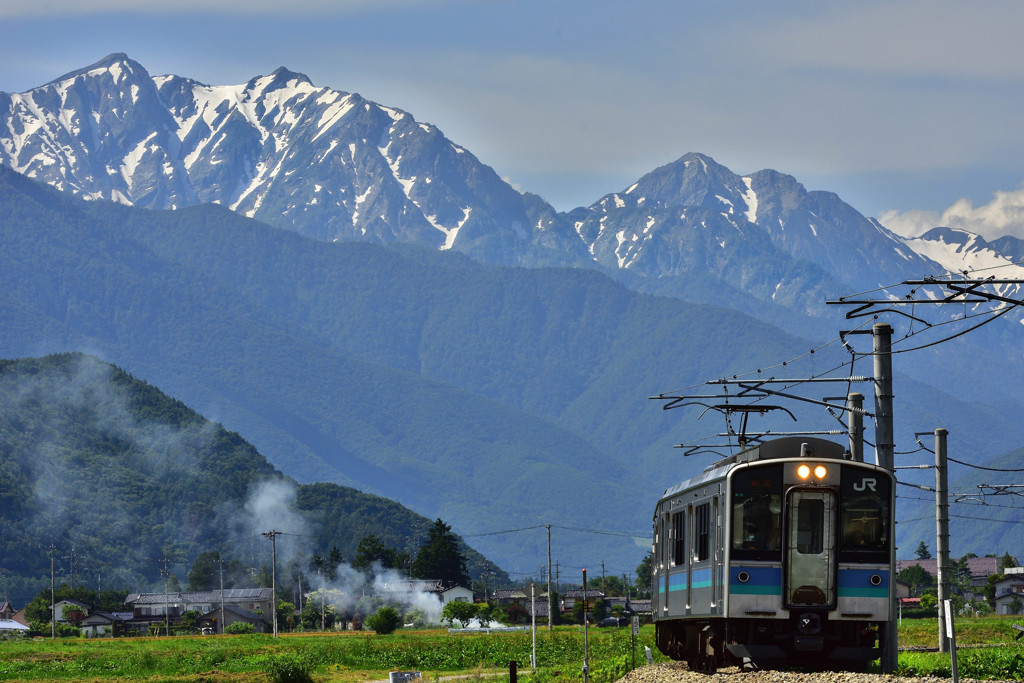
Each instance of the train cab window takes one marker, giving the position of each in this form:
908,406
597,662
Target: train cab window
702,532
810,531
864,515
679,538
757,512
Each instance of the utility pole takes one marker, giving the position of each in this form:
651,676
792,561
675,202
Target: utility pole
942,531
220,561
323,598
165,574
586,641
884,457
272,535
53,600
551,589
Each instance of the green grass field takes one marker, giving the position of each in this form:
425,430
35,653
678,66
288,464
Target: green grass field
348,657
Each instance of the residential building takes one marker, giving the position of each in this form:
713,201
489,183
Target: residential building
158,608
101,624
443,591
1009,595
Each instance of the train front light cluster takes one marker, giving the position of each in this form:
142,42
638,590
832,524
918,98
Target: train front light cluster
805,471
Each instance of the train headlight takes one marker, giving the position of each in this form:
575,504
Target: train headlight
820,471
803,471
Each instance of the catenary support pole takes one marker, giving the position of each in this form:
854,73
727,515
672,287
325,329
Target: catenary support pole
882,335
942,530
855,404
884,457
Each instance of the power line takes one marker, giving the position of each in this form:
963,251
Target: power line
602,531
506,531
987,469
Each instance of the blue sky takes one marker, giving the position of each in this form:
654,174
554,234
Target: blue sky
910,111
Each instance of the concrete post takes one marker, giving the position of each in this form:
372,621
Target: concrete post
942,530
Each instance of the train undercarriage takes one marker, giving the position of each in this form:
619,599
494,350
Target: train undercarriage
806,640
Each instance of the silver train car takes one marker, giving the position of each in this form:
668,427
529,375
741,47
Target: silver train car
779,556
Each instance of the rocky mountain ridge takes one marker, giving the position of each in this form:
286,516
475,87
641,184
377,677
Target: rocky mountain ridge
335,166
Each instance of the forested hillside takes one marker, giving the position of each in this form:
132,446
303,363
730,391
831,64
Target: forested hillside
117,477
494,398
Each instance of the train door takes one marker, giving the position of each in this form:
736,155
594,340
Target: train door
810,549
716,559
663,562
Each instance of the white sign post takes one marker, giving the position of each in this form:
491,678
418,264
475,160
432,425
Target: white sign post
531,591
947,609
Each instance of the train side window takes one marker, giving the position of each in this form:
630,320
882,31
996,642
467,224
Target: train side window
702,532
679,538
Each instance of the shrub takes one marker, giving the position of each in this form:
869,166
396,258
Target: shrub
385,620
289,668
240,628
1000,663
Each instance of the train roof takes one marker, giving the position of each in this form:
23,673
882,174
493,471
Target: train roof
785,447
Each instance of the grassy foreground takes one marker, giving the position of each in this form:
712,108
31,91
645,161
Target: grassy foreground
335,657
352,657
1002,659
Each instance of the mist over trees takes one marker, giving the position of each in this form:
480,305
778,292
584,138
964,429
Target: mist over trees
95,461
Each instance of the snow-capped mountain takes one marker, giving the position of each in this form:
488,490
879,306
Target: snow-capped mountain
764,233
334,166
958,252
328,164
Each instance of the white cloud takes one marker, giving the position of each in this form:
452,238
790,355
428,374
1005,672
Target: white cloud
1004,215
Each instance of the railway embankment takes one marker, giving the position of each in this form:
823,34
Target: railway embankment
677,672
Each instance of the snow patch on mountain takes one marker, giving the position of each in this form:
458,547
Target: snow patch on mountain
960,251
750,197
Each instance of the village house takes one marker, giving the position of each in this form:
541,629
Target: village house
101,624
980,568
247,604
1009,594
444,592
570,597
66,607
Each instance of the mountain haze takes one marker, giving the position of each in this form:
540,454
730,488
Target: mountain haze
412,325
496,398
116,475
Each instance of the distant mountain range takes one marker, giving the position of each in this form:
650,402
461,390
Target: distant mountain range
465,388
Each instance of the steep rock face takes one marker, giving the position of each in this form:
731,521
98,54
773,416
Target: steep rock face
762,234
334,166
328,164
100,132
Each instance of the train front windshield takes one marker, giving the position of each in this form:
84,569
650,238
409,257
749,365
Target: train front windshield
864,524
864,516
757,512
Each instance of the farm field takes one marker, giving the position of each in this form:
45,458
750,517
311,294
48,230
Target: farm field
355,657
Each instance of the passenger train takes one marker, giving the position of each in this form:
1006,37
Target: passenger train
777,556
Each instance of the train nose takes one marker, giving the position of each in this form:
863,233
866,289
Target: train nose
808,638
809,624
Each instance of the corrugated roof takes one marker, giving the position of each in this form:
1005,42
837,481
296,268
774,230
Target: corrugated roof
12,625
230,594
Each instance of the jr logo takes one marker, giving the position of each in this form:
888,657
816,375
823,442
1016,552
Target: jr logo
866,484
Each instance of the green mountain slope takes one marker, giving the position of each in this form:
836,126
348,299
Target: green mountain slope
117,475
495,398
